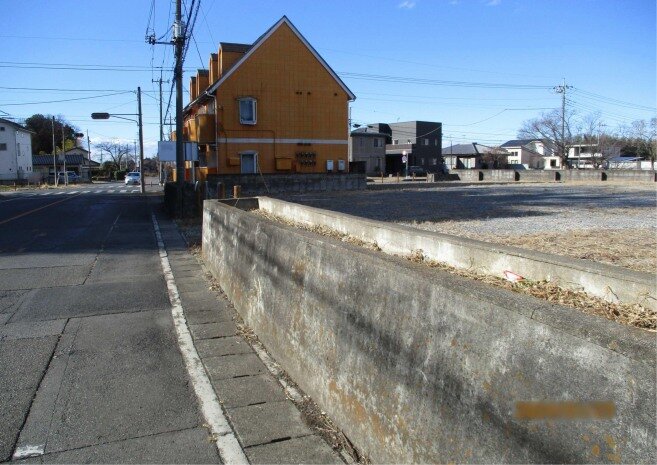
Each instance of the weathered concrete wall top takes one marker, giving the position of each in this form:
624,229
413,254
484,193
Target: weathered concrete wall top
609,282
417,365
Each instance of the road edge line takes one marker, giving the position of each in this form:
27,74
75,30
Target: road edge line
223,435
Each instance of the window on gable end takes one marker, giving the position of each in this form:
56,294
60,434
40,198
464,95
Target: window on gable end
248,110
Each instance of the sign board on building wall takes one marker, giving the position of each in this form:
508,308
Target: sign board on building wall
166,150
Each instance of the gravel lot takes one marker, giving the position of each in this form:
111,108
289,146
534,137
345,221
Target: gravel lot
610,223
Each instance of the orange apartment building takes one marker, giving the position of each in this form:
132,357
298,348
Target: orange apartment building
274,106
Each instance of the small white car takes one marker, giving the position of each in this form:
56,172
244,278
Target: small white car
134,177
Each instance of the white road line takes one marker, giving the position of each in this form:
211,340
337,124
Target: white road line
135,191
46,193
111,191
229,448
60,193
85,192
28,451
72,192
123,191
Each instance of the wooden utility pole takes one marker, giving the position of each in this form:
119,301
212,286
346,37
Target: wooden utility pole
179,42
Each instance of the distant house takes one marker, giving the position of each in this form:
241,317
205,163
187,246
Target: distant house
590,155
474,156
367,146
15,152
420,141
77,160
273,106
531,154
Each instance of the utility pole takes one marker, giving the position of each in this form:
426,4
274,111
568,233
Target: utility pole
88,156
179,42
141,143
562,90
160,81
54,155
64,153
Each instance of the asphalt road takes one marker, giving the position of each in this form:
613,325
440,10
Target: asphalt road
89,366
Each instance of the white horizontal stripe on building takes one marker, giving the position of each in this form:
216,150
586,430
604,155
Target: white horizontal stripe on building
249,140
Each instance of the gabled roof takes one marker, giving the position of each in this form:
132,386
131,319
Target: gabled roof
470,149
251,50
73,159
460,149
233,47
519,142
15,125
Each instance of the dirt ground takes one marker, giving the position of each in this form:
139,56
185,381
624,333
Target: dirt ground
614,224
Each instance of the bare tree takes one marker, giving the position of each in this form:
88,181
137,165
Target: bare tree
548,127
641,136
116,151
592,132
494,157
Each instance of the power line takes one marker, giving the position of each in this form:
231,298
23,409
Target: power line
613,101
65,100
437,82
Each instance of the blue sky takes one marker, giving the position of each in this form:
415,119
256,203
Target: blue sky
602,47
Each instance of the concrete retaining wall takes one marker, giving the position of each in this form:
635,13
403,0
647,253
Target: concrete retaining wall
256,184
606,281
554,175
417,365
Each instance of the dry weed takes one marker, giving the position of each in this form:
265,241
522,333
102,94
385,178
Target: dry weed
628,314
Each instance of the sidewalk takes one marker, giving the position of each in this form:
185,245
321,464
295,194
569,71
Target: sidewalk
266,423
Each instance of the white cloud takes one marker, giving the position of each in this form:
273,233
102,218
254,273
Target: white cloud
493,2
407,5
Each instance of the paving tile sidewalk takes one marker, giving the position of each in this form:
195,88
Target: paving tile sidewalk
268,426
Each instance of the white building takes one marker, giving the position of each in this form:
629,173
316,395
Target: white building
531,154
589,155
15,152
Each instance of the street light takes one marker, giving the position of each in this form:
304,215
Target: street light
141,132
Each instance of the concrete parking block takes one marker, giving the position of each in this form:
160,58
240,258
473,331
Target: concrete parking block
306,449
222,346
231,366
212,330
264,423
248,390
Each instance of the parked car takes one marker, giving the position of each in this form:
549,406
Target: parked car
70,176
134,177
417,171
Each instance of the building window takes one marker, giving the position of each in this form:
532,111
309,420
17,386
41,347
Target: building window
408,141
377,142
434,161
435,142
2,128
395,141
3,147
248,110
426,141
421,161
553,163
